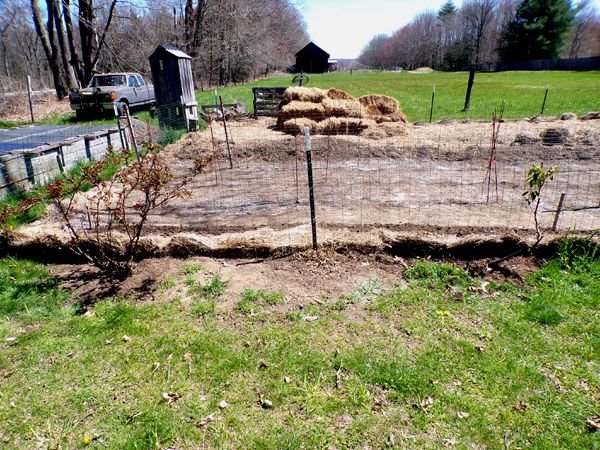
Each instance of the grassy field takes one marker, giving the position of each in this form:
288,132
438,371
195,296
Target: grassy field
441,359
523,92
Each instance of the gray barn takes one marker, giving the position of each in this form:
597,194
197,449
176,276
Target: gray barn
174,88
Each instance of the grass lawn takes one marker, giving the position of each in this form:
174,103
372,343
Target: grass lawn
441,359
523,92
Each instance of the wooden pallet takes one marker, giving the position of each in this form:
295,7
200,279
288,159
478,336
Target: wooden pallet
267,100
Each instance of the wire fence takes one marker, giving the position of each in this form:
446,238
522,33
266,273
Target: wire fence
446,176
451,177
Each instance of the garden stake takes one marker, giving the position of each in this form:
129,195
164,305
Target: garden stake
226,135
296,157
558,210
432,102
212,137
544,102
496,121
133,141
311,190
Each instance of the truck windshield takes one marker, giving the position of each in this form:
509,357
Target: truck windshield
108,80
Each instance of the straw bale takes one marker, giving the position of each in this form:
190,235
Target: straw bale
338,94
344,125
304,94
296,126
379,105
342,108
386,130
374,133
295,109
395,117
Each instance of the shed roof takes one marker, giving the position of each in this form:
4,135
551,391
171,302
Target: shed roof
172,50
312,47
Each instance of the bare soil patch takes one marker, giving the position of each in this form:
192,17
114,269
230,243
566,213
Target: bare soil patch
304,278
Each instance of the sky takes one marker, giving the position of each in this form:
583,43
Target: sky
343,27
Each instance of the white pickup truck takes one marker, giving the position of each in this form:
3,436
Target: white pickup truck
106,90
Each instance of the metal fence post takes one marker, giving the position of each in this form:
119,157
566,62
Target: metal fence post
311,190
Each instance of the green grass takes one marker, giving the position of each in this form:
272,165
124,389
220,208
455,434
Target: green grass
205,294
99,380
523,92
254,301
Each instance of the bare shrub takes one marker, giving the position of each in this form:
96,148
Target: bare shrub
119,206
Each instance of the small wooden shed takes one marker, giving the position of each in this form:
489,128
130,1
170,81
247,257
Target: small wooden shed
174,88
312,59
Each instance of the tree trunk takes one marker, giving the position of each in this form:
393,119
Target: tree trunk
86,33
75,61
46,35
62,42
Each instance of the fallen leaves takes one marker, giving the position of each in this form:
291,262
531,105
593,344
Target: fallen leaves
266,403
593,423
131,417
171,397
310,318
462,414
426,403
206,420
520,406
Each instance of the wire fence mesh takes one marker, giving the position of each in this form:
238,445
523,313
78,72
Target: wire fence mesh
449,176
434,176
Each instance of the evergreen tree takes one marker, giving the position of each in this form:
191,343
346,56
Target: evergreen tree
538,30
447,9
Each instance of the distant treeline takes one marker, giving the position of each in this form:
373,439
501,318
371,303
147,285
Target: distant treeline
489,33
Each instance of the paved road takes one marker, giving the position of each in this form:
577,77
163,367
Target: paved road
28,137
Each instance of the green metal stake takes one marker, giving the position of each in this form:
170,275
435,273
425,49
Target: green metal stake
311,188
544,103
432,103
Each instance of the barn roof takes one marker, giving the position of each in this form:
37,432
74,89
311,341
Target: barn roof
172,50
312,47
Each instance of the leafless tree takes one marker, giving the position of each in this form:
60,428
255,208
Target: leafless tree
477,16
230,40
584,38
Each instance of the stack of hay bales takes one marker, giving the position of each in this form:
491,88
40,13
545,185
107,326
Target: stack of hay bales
334,111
